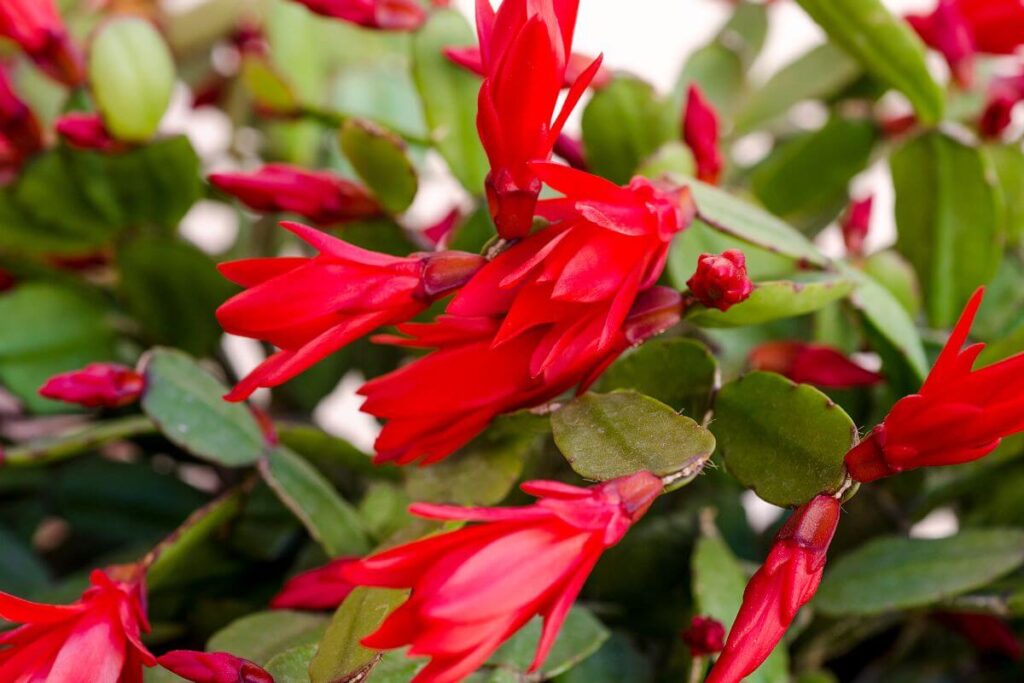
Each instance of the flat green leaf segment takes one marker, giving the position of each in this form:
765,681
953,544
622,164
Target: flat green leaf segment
340,657
379,158
260,636
891,574
785,441
604,436
776,300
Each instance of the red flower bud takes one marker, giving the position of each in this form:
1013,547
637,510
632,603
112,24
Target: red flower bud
785,582
985,632
36,26
947,31
571,151
700,131
996,26
323,588
856,224
706,636
88,131
213,667
99,385
18,124
721,281
386,15
812,364
997,115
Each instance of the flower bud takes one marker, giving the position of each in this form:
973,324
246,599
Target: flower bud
721,281
856,223
947,31
571,151
815,364
997,115
18,124
700,131
446,271
36,26
99,385
386,15
213,667
87,131
706,636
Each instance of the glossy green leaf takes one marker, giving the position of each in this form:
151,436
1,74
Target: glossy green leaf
680,373
330,520
785,441
187,404
260,636
449,97
604,436
204,523
672,160
617,660
267,86
581,636
1008,162
340,657
902,573
949,220
776,300
292,665
21,572
895,273
746,30
382,91
380,160
719,73
885,46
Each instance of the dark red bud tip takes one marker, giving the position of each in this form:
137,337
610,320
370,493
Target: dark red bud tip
636,491
99,385
446,271
866,461
721,281
655,310
213,667
997,116
856,224
813,525
705,636
512,206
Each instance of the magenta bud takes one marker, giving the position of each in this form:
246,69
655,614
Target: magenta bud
706,636
721,281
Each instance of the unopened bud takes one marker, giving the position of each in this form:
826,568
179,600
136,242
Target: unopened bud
99,385
446,271
721,281
705,636
856,224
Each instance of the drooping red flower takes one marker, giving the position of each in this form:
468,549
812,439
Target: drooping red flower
87,131
785,582
312,307
213,667
947,30
997,26
98,385
36,26
700,131
473,588
386,15
323,588
318,196
525,50
721,280
93,640
856,224
18,124
959,415
705,636
816,364
985,632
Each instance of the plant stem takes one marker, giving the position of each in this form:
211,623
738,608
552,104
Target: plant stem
51,450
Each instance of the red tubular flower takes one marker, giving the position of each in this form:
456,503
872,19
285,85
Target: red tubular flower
312,307
784,583
997,26
721,281
948,31
323,588
985,632
18,124
36,26
87,131
812,364
213,667
706,636
525,51
386,15
98,385
856,224
959,415
318,196
470,59
473,588
93,640
546,315
700,131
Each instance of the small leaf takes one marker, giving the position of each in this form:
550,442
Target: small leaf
719,73
381,91
21,572
902,573
270,90
1008,162
292,665
673,160
604,436
259,637
785,441
581,636
895,273
776,300
886,47
330,520
379,158
187,405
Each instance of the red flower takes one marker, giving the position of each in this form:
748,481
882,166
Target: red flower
98,385
948,31
36,26
571,151
387,15
439,232
213,667
812,364
525,53
546,315
985,632
312,307
470,59
94,640
700,131
997,115
959,415
784,583
19,126
856,224
721,281
316,195
473,588
997,26
88,131
706,636
322,588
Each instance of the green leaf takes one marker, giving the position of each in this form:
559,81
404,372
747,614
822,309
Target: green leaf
292,665
261,636
617,660
719,73
673,160
678,372
131,73
785,441
1008,162
581,636
699,238
187,405
886,47
381,91
48,330
733,216
902,573
449,97
21,572
198,529
895,273
604,436
746,31
380,160
340,657
267,86
776,300
949,220
330,520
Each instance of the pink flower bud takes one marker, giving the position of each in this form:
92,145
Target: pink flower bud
856,223
812,364
706,636
700,131
99,385
721,281
386,15
213,667
87,131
